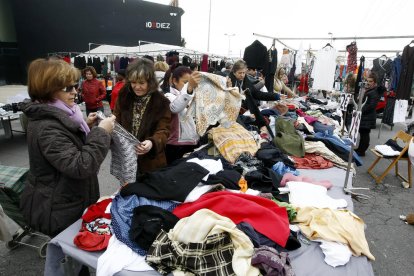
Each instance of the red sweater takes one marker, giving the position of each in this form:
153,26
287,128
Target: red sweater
93,93
115,93
264,215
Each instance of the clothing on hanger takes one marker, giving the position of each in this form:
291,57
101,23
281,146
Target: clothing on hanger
352,50
405,82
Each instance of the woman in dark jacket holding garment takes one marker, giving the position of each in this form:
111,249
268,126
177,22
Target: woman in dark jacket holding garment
238,78
145,112
64,153
368,115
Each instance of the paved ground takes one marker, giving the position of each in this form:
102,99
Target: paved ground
390,240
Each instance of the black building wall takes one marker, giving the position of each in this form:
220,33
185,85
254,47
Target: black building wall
45,26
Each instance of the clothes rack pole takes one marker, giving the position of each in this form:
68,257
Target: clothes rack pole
346,188
276,39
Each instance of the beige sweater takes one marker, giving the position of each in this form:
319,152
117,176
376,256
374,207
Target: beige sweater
279,86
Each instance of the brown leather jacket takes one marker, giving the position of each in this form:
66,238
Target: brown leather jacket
155,126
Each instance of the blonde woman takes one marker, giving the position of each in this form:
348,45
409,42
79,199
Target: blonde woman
279,85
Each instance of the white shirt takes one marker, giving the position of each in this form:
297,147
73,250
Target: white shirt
323,72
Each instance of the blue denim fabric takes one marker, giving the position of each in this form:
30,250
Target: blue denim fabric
344,145
318,127
122,210
281,169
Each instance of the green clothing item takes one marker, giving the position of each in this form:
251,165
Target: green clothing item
288,139
314,113
289,208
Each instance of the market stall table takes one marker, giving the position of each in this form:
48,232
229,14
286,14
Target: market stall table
6,120
307,260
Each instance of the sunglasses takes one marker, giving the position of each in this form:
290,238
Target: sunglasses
70,88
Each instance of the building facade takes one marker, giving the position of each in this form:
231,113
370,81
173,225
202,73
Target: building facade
47,26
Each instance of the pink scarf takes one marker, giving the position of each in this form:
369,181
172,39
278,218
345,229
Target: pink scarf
74,113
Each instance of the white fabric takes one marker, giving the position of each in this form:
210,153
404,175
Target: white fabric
286,60
108,208
386,150
8,227
400,111
298,61
304,195
323,72
119,256
179,100
411,152
248,192
159,75
302,120
331,105
198,191
213,166
336,253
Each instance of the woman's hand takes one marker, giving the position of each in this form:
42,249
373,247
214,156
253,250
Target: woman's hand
228,82
143,147
108,124
91,119
194,80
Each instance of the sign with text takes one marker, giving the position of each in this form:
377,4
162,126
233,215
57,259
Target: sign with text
344,101
353,130
154,25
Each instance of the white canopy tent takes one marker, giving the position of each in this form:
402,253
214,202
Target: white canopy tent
150,48
145,48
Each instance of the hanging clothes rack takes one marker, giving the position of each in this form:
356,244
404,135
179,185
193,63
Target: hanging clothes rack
64,53
339,38
275,39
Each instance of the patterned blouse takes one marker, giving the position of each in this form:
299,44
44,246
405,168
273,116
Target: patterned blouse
140,105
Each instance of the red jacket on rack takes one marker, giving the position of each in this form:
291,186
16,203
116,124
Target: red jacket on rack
93,92
303,85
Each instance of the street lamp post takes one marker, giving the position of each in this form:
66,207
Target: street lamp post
229,37
209,22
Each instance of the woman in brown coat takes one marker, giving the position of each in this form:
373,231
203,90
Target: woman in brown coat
144,111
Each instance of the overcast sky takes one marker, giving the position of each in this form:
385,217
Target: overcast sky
295,18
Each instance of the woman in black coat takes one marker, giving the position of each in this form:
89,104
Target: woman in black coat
65,152
240,79
369,115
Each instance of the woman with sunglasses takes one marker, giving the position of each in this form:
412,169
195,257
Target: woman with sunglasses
93,91
65,151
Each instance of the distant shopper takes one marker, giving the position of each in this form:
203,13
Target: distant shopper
160,68
279,85
93,91
144,111
120,81
194,67
167,82
65,151
369,115
227,68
